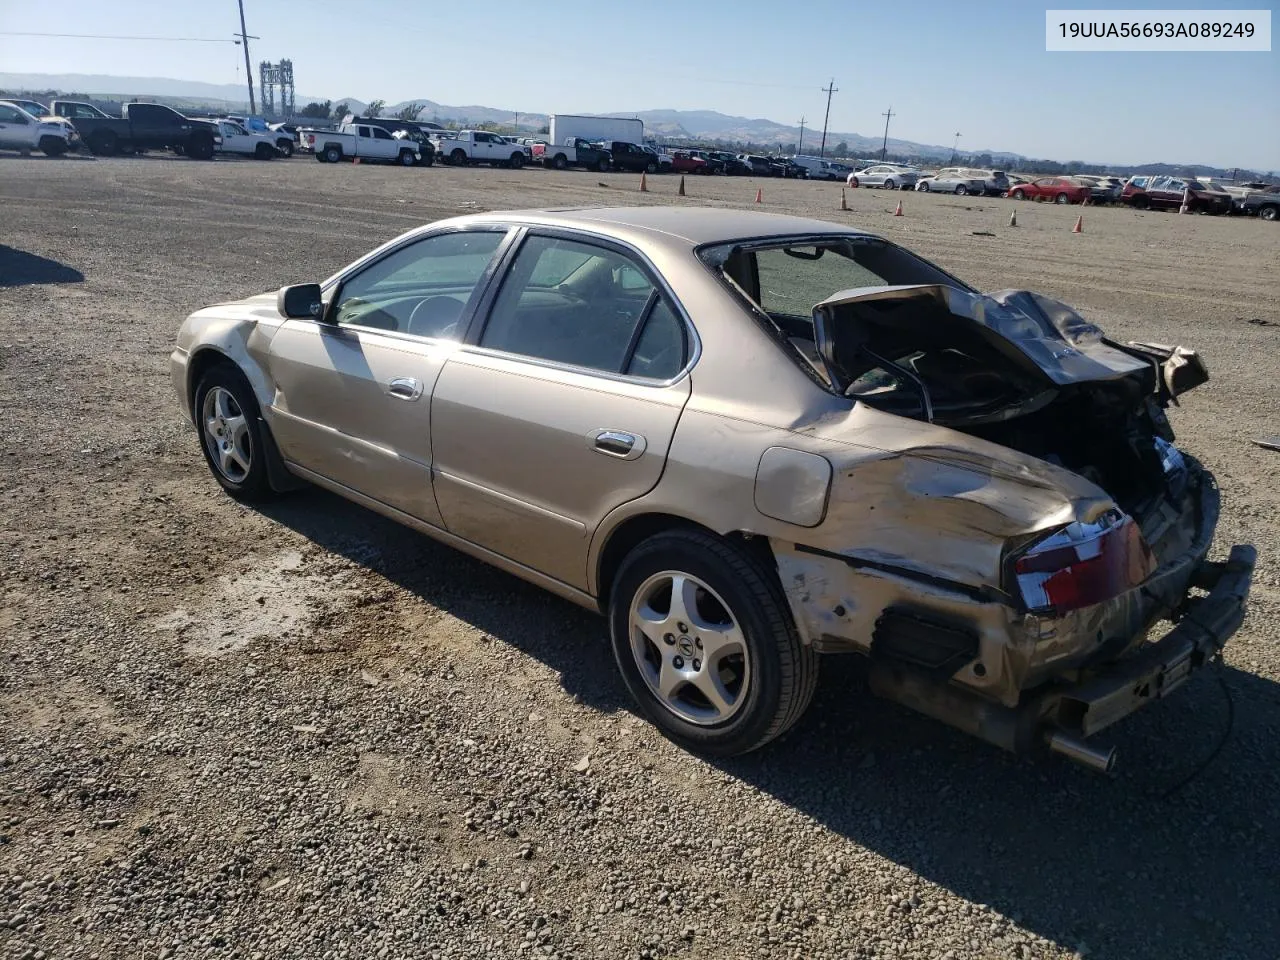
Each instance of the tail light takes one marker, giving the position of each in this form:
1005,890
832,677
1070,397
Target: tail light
1083,564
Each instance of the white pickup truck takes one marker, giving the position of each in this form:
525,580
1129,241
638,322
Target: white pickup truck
248,143
20,130
358,140
479,146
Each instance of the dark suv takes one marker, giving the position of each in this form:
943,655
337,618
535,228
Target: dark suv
630,156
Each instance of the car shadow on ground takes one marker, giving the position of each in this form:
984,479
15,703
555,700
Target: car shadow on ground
19,269
1136,866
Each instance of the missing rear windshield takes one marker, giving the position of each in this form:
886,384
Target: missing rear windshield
784,279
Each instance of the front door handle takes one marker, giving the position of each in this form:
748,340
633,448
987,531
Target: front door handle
405,388
617,443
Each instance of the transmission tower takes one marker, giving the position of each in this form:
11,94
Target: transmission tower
277,78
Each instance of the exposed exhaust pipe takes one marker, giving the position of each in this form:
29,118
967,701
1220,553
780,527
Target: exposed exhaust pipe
1101,759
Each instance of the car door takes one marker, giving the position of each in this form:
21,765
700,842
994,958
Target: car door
563,405
384,144
352,390
15,128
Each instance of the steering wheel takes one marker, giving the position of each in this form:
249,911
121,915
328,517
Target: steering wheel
436,316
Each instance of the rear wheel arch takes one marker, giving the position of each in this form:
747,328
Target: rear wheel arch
634,530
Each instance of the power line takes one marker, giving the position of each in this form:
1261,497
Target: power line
112,36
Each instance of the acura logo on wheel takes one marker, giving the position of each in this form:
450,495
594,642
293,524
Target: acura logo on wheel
686,646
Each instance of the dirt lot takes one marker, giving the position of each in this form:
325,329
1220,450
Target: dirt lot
306,732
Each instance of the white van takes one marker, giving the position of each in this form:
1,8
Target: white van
818,168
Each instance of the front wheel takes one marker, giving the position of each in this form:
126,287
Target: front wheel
227,416
706,644
961,190
890,185
1019,194
651,167
53,146
200,148
332,154
285,147
603,165
1062,198
923,188
407,159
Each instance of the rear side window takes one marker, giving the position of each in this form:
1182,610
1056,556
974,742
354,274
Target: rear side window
587,306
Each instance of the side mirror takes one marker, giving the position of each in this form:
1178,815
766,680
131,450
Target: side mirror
302,300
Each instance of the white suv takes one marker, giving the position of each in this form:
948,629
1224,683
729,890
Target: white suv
19,130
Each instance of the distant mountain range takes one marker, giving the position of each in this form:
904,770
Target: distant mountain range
668,125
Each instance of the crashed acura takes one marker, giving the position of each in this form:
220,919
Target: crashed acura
750,440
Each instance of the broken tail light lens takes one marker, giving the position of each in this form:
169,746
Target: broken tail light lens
1083,564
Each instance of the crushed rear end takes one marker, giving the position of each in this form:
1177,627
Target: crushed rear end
1016,521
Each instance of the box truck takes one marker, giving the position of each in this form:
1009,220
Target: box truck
594,129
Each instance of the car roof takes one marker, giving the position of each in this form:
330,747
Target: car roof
693,225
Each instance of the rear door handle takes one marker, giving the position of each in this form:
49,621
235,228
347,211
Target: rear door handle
617,443
405,388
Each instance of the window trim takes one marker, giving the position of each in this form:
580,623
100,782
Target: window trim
332,287
484,308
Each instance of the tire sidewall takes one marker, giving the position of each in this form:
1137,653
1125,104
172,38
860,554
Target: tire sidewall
255,484
745,729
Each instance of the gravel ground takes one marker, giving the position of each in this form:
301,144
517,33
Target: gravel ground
303,731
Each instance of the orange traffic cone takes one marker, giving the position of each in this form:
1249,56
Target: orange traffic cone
1013,218
681,191
1186,200
1085,201
760,196
898,212
1079,227
844,203
644,184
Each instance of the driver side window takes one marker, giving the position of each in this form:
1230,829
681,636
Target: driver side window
422,289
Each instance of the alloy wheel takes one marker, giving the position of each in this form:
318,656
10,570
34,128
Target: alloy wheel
226,434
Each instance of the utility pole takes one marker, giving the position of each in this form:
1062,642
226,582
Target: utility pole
829,89
248,70
885,146
800,148
954,146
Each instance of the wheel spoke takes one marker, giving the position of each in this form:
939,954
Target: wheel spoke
211,428
238,428
684,600
719,642
708,681
222,402
228,460
669,679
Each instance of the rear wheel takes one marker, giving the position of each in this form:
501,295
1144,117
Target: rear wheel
603,165
285,147
332,153
890,185
651,167
458,158
227,417
264,151
961,190
560,162
1062,198
923,187
706,644
406,158
1270,214
200,147
1018,194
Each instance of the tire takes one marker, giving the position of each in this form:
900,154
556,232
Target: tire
406,158
285,147
333,154
263,151
200,148
774,675
1269,213
235,452
517,161
320,157
1018,194
559,162
429,159
961,190
923,188
53,146
890,185
603,165
1062,198
104,143
651,167
458,158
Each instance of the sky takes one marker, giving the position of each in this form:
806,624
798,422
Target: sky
977,69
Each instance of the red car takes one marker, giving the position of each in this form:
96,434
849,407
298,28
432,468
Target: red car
684,162
1057,189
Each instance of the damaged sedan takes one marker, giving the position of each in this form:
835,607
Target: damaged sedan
749,441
